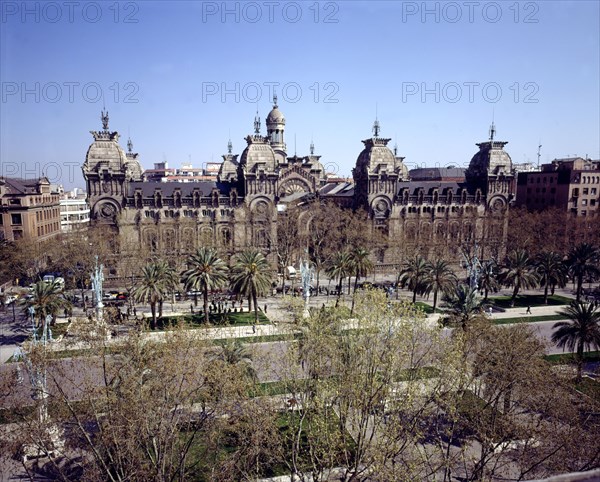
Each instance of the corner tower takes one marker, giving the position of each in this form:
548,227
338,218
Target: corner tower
107,171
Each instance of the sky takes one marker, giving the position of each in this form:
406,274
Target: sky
182,78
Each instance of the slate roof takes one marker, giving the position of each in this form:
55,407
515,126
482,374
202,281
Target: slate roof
187,188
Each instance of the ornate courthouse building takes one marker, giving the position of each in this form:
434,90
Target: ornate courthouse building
433,207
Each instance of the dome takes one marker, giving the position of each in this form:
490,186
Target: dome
258,153
275,116
491,159
376,156
105,153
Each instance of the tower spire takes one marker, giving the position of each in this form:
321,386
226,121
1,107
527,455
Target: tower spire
104,119
129,145
312,148
376,126
274,99
256,123
492,131
229,147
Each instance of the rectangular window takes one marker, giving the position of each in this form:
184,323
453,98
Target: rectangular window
16,219
584,202
593,191
585,191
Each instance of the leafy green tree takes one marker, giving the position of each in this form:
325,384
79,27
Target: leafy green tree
581,333
46,299
206,272
251,276
361,265
438,277
518,272
583,261
339,267
413,274
488,278
551,271
152,287
170,278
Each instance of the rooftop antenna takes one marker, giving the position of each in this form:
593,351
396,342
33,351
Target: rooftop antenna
539,154
294,145
492,128
312,147
274,98
229,144
256,122
376,125
395,148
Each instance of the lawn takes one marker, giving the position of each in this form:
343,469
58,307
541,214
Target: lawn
526,319
589,387
216,319
523,301
567,358
425,307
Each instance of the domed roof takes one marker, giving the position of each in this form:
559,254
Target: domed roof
376,156
258,152
106,152
275,116
490,159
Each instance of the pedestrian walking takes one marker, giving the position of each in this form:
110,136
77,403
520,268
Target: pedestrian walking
253,328
528,312
134,312
265,308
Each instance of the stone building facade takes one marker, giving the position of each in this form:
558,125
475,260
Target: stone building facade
572,185
240,207
29,209
437,209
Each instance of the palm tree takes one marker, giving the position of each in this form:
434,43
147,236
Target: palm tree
551,271
518,272
170,279
152,287
46,299
251,276
412,274
438,277
488,278
581,333
339,267
360,265
235,353
463,305
206,272
583,261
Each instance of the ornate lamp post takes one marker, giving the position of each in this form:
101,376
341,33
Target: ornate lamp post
306,275
97,278
35,363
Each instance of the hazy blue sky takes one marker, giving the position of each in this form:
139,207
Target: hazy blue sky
181,78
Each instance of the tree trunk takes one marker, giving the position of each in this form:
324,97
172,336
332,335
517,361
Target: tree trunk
579,285
354,293
206,317
153,310
579,360
485,291
435,293
339,293
415,295
514,296
254,298
546,294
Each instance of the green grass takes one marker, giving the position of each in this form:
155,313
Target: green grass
589,387
522,301
425,307
527,319
567,358
216,319
260,339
